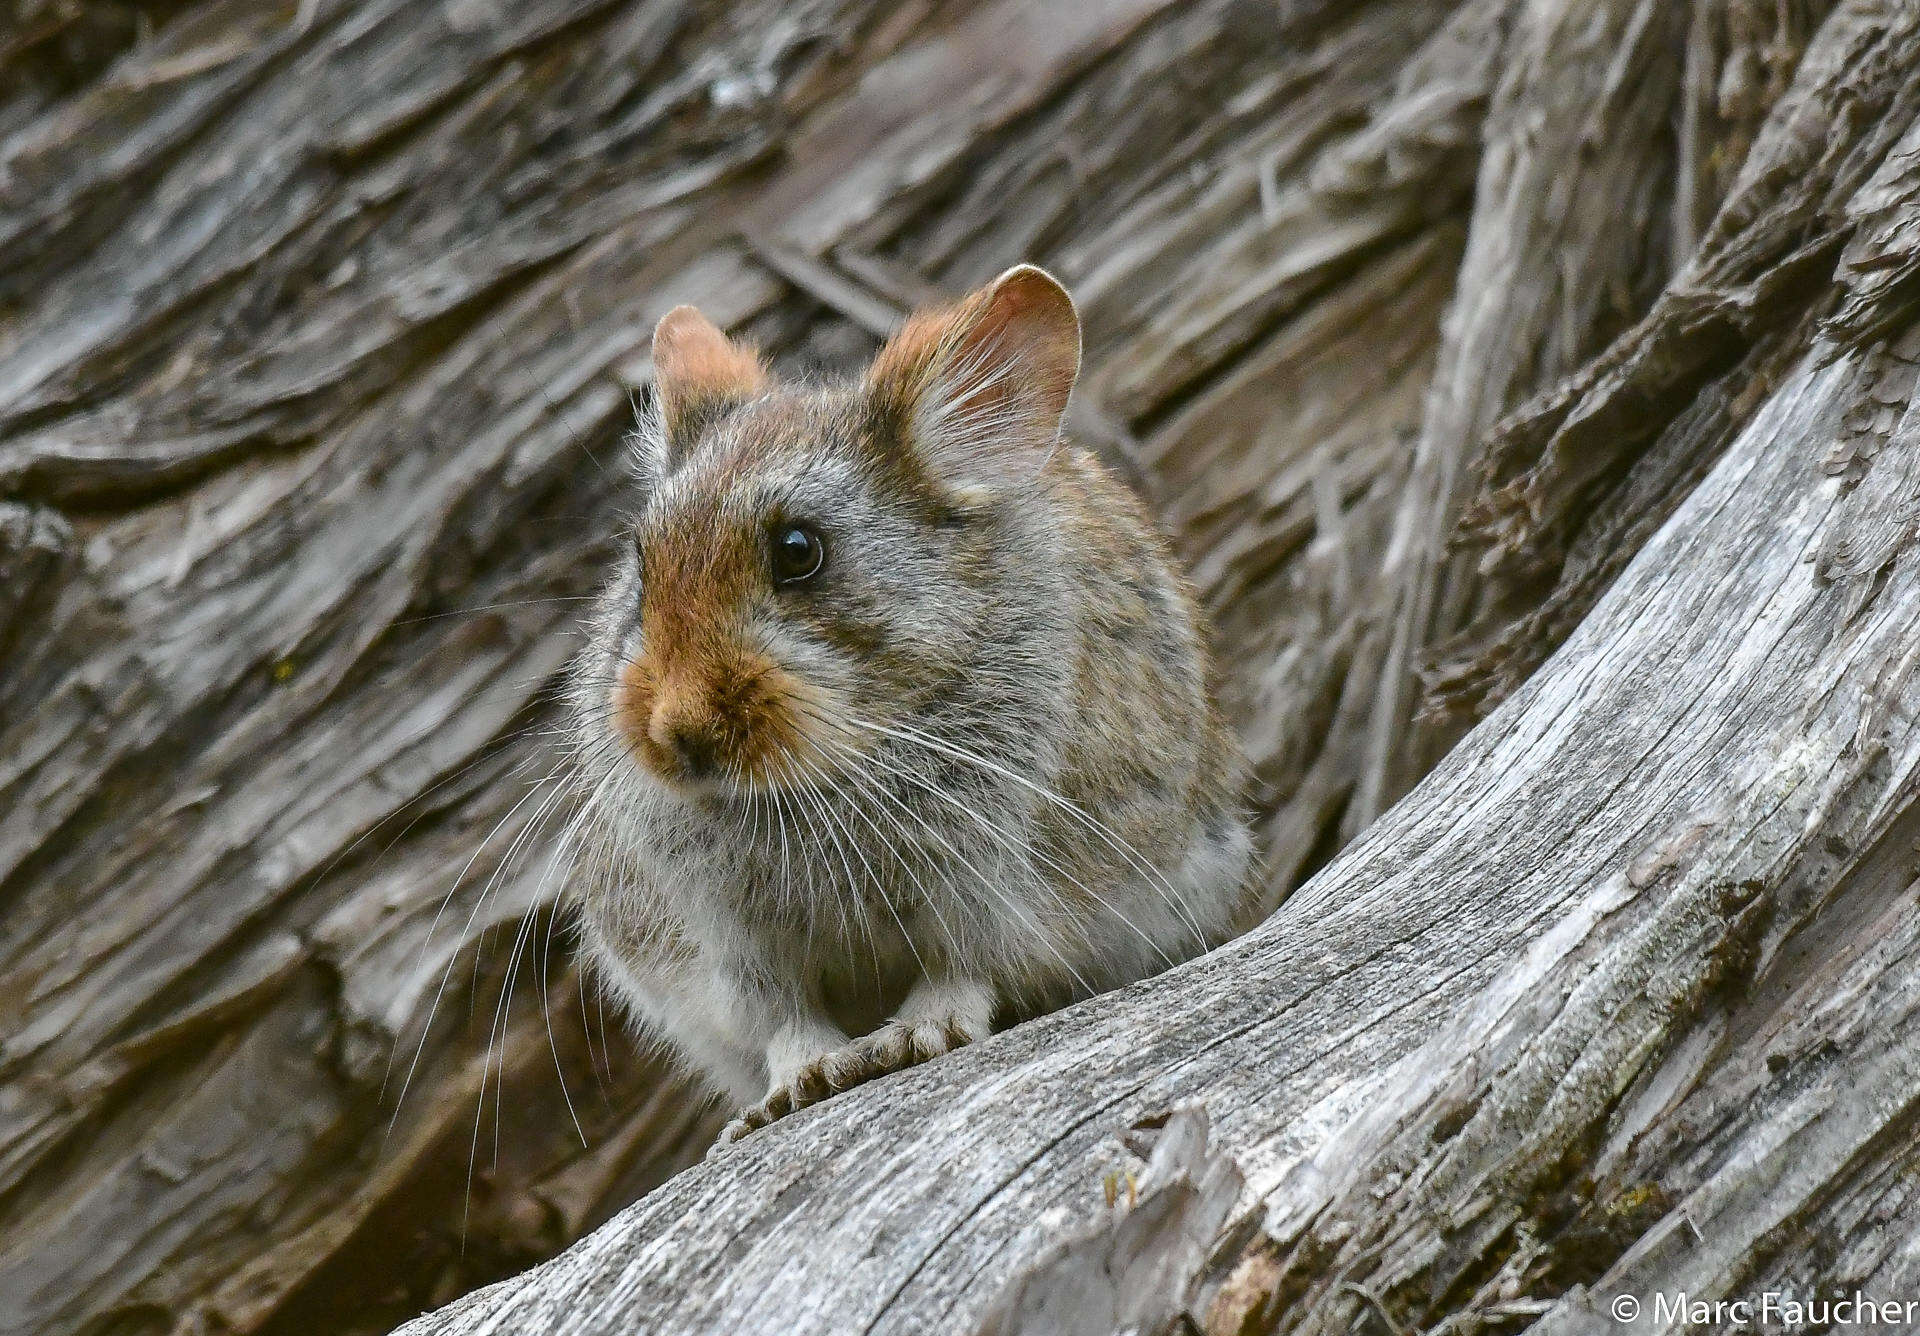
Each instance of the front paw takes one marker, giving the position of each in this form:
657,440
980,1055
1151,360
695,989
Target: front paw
898,1045
894,1047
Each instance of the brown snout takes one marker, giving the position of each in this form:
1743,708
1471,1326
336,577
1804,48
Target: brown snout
727,720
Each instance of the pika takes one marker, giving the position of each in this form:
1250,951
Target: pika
892,725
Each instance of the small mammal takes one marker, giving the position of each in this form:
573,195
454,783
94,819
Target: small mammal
893,722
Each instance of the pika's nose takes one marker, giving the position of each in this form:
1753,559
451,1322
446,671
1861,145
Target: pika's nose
688,738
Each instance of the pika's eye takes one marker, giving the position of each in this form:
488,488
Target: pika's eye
798,554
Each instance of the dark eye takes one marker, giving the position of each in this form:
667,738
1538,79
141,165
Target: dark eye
798,554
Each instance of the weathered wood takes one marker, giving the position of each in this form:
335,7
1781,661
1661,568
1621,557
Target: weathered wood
1577,928
1434,329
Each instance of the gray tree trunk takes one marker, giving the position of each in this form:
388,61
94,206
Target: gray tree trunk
1527,382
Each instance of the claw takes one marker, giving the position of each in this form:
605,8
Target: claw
894,1047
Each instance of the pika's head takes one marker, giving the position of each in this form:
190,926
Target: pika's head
813,565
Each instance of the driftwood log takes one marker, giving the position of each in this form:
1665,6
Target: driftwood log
1531,385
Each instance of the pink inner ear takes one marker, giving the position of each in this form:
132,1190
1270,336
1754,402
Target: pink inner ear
1021,353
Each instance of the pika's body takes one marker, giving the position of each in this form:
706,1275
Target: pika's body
894,721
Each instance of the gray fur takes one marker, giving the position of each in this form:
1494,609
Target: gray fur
1021,795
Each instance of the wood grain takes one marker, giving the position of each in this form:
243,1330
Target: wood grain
1527,364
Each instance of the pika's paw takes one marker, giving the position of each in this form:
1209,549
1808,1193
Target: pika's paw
900,1044
813,1082
894,1047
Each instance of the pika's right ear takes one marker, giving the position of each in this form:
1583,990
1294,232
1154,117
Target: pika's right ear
698,373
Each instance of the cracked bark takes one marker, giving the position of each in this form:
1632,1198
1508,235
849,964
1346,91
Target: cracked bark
1532,367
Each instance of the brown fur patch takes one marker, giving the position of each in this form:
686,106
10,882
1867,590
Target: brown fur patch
698,694
906,368
745,710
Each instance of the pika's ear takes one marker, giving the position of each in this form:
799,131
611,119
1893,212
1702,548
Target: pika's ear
698,373
979,388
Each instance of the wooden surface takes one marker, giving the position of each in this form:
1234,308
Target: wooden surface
1443,335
